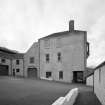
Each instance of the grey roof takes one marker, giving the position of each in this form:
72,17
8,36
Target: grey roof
88,72
10,54
6,50
18,56
100,65
62,33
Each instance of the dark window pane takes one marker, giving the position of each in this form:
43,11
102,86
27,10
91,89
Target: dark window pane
59,56
3,60
60,74
47,58
31,59
17,70
48,74
17,62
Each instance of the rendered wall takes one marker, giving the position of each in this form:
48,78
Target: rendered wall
99,84
73,51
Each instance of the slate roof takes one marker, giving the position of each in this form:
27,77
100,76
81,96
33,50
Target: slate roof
6,50
88,72
100,65
62,33
10,54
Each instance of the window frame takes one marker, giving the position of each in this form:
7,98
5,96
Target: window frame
17,61
59,56
60,74
3,60
47,58
48,74
18,70
58,42
32,60
47,43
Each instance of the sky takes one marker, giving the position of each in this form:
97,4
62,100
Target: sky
23,22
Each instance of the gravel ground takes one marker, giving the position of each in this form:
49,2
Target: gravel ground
19,91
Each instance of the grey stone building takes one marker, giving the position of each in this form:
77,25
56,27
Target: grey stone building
11,62
60,56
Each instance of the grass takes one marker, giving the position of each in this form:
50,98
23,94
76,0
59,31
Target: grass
16,91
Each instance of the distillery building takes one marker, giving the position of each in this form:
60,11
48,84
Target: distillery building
63,55
60,56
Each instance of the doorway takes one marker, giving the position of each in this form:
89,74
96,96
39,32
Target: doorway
32,72
4,70
78,76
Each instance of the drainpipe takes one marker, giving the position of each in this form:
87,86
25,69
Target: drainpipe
93,81
23,66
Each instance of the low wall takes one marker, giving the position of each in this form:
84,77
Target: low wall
69,99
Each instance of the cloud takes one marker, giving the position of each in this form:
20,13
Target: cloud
97,42
24,21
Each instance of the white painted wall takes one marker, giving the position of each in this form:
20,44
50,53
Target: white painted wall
69,99
89,80
99,84
73,52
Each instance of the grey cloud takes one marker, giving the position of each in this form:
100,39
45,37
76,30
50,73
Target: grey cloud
24,21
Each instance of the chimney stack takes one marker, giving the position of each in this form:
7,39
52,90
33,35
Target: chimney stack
71,25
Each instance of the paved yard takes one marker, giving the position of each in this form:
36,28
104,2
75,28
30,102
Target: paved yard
87,98
16,91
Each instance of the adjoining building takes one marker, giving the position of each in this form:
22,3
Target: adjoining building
97,80
31,59
11,62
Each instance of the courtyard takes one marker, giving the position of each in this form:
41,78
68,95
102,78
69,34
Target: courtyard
20,91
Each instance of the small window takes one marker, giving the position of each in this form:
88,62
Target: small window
3,60
47,58
31,59
17,62
58,42
60,74
59,56
47,43
48,74
17,70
